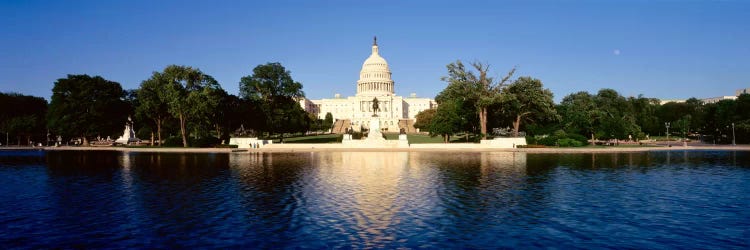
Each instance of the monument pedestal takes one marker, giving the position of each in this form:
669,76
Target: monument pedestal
512,142
375,135
253,142
128,136
403,141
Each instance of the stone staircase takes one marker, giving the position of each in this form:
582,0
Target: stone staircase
340,126
407,125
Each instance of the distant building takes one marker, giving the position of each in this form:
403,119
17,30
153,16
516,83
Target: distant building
355,112
712,99
665,101
718,99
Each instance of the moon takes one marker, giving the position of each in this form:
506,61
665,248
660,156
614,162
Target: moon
616,52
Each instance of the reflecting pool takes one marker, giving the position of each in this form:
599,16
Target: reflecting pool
669,199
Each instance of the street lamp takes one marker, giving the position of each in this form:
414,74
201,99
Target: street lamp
666,124
733,142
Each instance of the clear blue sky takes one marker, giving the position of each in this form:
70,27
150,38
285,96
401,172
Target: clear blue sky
662,49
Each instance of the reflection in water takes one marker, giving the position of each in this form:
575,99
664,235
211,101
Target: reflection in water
370,198
374,200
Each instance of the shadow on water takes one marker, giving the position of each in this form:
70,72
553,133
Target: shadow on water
165,199
10,158
83,163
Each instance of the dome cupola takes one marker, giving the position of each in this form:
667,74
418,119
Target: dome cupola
375,77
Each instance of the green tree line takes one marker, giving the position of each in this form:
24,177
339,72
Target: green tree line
177,106
183,106
472,102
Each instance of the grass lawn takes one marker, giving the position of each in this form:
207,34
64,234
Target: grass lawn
618,146
416,138
327,138
419,138
336,138
423,138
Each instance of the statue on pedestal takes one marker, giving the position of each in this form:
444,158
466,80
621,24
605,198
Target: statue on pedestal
375,107
128,135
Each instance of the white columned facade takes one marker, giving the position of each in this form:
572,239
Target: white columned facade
374,82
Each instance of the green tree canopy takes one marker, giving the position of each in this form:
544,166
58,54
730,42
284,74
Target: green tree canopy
447,120
527,100
87,106
22,116
328,121
152,104
579,113
272,86
424,119
616,120
190,95
645,113
477,88
269,81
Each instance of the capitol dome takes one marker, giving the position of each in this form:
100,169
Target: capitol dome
375,77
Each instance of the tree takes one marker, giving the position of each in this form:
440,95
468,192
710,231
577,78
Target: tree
683,125
616,119
424,119
328,122
206,111
292,116
22,116
484,90
720,116
645,113
526,99
466,98
580,114
229,115
272,86
153,104
86,106
447,120
189,95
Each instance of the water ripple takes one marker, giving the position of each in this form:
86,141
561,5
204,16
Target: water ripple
698,199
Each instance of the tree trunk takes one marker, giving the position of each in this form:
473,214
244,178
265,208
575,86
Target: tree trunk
85,141
592,140
218,132
483,122
182,131
516,125
152,138
158,130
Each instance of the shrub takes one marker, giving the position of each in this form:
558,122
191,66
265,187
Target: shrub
531,140
204,142
173,141
568,142
547,141
579,138
176,141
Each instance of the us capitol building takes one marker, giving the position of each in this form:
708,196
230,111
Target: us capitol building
355,112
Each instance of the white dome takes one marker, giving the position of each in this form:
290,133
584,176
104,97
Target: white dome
375,77
375,62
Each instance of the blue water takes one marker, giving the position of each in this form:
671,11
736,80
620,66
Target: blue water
695,199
